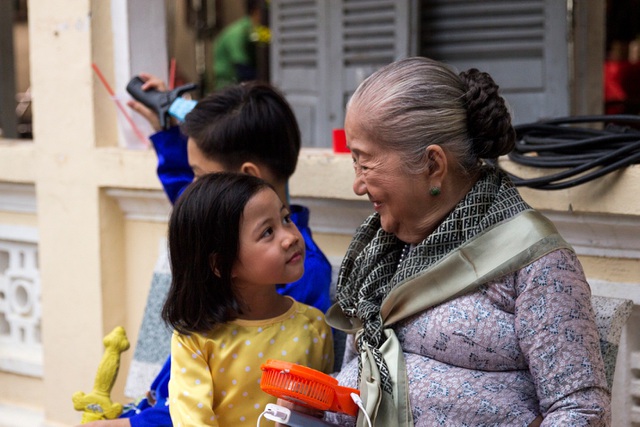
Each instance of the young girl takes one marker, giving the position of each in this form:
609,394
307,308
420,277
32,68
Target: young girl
231,241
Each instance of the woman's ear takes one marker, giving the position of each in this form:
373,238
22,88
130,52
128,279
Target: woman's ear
436,162
213,260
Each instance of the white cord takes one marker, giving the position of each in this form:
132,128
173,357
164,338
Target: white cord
356,399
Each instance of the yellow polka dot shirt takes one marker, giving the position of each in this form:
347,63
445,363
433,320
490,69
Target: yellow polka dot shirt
215,378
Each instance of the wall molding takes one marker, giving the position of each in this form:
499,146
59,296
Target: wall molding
14,415
19,233
616,290
142,205
614,236
335,216
19,198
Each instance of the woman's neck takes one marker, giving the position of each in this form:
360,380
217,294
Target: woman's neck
457,189
454,190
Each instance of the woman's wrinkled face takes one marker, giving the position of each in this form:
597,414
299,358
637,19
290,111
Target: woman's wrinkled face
399,197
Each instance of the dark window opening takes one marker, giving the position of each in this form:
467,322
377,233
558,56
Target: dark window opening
622,57
15,93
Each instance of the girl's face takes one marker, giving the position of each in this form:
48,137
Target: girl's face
271,249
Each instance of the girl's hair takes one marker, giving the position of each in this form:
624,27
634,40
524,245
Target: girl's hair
415,102
246,122
204,229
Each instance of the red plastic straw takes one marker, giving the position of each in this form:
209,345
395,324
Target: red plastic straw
172,74
135,128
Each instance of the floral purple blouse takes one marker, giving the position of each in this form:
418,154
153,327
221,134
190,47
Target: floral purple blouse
519,347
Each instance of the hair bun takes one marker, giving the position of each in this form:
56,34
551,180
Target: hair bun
488,119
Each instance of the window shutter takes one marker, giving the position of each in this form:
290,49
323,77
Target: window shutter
522,44
322,49
369,35
298,62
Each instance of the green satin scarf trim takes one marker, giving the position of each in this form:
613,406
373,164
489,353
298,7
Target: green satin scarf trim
500,250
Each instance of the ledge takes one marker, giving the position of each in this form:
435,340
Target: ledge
602,235
19,198
142,205
17,161
600,218
23,360
323,174
15,415
615,193
127,168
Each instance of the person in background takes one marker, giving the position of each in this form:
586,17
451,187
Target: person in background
464,305
248,128
234,52
231,241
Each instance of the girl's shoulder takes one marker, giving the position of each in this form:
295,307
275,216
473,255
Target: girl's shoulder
307,310
309,315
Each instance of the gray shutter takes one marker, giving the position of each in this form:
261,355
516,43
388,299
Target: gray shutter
322,49
521,43
369,34
298,62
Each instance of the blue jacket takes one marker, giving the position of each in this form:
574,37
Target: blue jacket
312,289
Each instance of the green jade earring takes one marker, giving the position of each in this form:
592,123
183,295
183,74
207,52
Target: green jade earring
434,191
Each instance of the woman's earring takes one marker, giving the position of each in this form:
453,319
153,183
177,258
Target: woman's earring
434,191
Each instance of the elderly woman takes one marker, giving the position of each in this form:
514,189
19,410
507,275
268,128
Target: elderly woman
466,308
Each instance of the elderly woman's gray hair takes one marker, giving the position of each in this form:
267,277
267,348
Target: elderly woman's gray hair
415,102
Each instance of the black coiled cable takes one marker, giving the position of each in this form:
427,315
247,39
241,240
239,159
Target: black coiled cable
587,153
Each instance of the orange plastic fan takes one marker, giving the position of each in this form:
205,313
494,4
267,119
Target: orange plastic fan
307,387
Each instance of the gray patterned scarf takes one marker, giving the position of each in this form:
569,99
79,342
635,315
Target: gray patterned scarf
372,266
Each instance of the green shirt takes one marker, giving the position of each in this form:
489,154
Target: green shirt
233,47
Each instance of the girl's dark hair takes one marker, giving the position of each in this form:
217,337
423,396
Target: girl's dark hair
246,122
204,228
